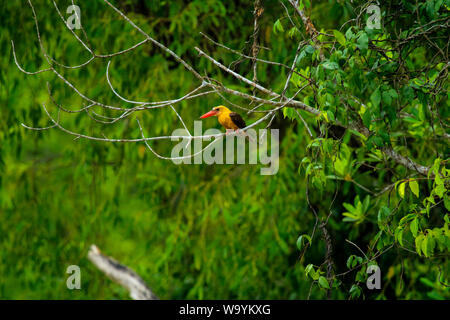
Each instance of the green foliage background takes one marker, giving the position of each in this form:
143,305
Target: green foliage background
191,231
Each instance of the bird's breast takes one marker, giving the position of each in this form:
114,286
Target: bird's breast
225,120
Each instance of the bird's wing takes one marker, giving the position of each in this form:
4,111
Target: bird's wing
237,120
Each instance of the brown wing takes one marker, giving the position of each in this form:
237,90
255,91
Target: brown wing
237,120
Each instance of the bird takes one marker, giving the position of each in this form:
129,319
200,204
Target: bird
230,120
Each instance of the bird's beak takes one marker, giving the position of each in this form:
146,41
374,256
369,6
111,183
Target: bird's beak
209,114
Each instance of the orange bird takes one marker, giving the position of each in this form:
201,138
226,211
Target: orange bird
228,119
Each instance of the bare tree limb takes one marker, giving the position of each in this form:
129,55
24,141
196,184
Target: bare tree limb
121,274
309,26
405,161
237,75
259,9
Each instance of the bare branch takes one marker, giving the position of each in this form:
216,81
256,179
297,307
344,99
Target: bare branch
257,13
121,274
20,68
164,48
309,26
405,161
237,75
253,58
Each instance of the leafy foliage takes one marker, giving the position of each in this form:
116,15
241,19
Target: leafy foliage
224,231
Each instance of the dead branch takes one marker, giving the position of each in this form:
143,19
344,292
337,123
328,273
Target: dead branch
121,274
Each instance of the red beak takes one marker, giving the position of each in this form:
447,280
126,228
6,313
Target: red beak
209,114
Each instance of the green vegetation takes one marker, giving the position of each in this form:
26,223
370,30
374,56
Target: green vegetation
344,198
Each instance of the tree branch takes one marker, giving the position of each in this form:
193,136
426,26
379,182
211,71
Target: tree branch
121,274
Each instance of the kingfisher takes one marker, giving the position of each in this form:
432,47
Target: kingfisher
228,119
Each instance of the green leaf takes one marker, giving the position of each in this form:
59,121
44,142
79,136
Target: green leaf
447,202
375,98
387,99
406,219
414,227
418,242
367,118
424,246
399,235
308,268
324,282
309,271
401,189
438,4
310,49
366,203
427,282
431,244
440,190
349,35
355,291
293,32
288,113
414,186
278,27
349,261
305,4
301,239
360,275
339,37
330,116
353,261
330,65
301,5
383,213
393,94
363,42
315,275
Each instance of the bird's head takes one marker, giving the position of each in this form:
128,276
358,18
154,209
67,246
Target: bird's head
215,112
